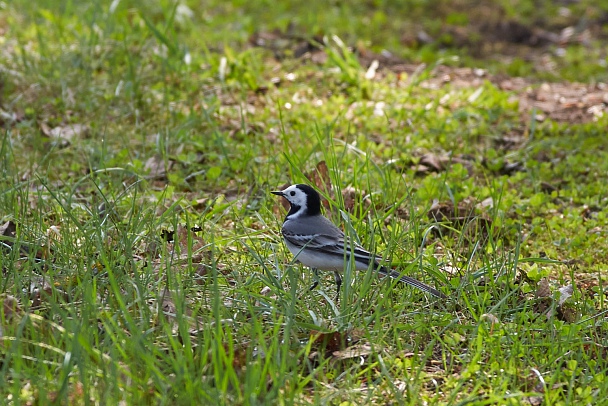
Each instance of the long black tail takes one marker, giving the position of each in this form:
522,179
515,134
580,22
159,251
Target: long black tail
411,281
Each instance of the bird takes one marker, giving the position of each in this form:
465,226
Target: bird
318,244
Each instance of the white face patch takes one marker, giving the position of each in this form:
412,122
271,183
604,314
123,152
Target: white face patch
295,196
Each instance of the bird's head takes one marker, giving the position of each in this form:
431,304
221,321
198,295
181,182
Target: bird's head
303,199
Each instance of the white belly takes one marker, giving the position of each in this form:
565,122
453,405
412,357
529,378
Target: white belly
319,260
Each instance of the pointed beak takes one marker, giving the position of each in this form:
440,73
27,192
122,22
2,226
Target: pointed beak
278,193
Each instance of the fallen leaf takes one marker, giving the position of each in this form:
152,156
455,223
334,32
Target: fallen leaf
7,235
352,199
42,291
68,132
543,289
460,221
202,270
329,342
564,293
157,167
486,203
181,236
8,229
433,161
63,135
489,317
535,400
10,308
355,351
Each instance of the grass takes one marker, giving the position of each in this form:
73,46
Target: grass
141,255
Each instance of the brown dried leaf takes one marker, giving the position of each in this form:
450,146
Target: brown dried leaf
355,351
10,118
8,231
329,342
550,308
473,227
180,237
63,135
201,273
543,289
44,128
440,212
566,312
352,199
490,318
564,293
434,162
10,308
157,167
167,306
42,291
459,215
535,400
486,203
200,204
69,131
239,360
76,394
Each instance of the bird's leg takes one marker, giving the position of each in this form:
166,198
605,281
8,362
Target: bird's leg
315,283
338,279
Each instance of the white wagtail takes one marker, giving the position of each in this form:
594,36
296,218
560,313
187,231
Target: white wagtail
317,243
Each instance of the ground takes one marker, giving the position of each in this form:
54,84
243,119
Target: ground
141,255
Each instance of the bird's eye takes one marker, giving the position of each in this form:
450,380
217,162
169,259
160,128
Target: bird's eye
292,193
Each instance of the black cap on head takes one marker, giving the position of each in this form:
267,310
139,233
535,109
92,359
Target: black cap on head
313,199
